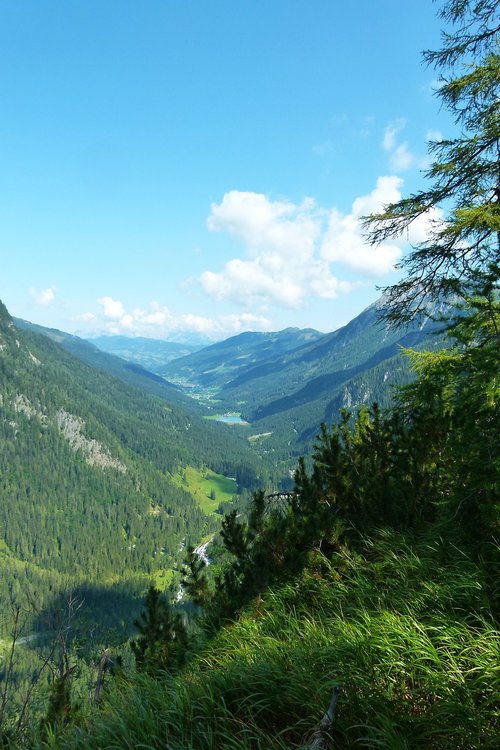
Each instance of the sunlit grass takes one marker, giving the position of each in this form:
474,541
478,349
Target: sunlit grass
405,631
207,487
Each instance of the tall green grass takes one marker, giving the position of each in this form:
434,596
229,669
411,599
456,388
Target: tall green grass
405,629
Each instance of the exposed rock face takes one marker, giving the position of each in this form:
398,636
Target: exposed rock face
23,404
96,454
72,428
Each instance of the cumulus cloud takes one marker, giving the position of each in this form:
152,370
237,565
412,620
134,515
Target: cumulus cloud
344,241
293,253
157,321
298,251
281,239
264,224
117,319
111,307
225,325
425,226
44,297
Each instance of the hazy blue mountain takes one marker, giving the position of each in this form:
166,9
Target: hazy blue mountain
152,354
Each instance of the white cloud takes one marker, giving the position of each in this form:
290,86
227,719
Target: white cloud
401,159
344,241
85,317
112,308
127,321
282,239
225,325
44,297
434,135
387,190
263,224
294,253
298,252
158,322
425,226
390,133
433,86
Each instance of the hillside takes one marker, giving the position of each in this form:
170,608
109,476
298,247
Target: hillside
377,577
91,476
391,630
286,395
378,573
128,369
212,368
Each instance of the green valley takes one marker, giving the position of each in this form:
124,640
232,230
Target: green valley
322,571
286,387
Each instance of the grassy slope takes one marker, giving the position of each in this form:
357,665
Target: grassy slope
201,483
404,628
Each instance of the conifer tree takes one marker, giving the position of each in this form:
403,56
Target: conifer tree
194,578
162,641
461,255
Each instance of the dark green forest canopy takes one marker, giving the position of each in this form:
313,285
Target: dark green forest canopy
85,472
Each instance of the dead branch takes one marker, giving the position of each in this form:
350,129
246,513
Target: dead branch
319,737
103,665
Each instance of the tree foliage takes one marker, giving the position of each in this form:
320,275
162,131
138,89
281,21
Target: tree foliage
428,466
461,254
162,641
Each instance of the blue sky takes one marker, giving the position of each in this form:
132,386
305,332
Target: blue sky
170,167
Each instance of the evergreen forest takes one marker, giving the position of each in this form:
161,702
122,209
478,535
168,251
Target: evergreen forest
356,604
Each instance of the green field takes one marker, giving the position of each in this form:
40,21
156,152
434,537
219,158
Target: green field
208,488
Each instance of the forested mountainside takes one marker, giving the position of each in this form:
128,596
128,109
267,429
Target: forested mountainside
286,395
212,368
129,370
152,354
91,474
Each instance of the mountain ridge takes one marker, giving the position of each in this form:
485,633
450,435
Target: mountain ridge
91,475
129,372
286,395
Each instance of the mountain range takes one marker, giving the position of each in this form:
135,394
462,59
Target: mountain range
286,384
281,385
152,354
105,465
